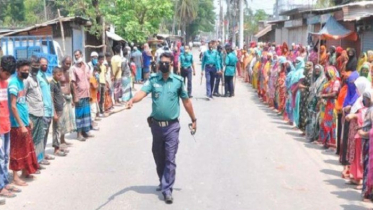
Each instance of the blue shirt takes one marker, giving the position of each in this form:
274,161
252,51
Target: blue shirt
165,96
230,62
46,92
146,59
137,57
16,88
211,57
186,60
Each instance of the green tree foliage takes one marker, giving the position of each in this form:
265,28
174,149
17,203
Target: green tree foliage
251,20
12,12
205,20
137,19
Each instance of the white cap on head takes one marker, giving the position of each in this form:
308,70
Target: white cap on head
134,48
94,54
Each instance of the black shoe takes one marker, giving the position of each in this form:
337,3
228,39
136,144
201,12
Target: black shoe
226,95
168,199
216,94
190,96
159,188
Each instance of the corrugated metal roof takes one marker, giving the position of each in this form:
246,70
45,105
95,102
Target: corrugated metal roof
264,31
47,23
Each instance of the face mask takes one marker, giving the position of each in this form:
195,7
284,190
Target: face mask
164,67
35,70
94,61
365,104
288,69
44,68
210,48
24,75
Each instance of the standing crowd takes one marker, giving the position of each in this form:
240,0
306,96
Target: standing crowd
73,98
326,94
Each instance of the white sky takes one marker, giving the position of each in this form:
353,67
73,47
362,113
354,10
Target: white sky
267,5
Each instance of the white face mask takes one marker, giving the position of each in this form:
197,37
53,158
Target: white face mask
79,60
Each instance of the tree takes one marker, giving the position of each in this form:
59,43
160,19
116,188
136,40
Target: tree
12,13
187,13
205,20
136,20
252,19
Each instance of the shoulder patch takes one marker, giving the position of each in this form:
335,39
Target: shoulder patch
178,77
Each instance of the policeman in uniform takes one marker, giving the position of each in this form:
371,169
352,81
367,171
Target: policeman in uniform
219,76
166,89
186,63
230,71
210,64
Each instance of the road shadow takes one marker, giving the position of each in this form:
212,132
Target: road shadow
353,207
348,195
331,161
147,190
331,172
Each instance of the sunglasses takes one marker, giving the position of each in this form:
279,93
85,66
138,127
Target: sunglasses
164,63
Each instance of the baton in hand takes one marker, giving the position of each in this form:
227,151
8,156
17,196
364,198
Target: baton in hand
192,131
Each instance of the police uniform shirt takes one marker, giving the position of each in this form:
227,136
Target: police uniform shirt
165,96
186,60
230,62
211,57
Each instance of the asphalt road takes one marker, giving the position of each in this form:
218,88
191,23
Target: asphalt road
244,157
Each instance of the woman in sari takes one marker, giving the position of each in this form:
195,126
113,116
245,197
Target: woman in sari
313,126
256,68
366,133
341,62
313,57
280,86
265,74
351,74
295,91
332,56
247,57
273,74
354,141
328,114
126,82
304,86
363,58
323,56
289,83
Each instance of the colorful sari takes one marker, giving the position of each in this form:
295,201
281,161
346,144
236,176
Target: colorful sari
313,125
289,84
272,83
306,82
296,93
328,114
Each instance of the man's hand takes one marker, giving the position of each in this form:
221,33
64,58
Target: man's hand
31,124
24,130
130,104
76,100
194,126
194,73
55,117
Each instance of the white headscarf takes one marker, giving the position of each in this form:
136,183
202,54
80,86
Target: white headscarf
362,85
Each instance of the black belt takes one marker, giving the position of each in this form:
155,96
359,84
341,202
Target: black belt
231,65
163,123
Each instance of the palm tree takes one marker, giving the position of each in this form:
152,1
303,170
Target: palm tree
187,12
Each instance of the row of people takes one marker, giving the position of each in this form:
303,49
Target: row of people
327,95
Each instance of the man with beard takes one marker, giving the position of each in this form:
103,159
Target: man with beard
47,104
166,89
80,79
35,103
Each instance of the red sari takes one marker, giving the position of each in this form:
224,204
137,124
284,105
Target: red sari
355,148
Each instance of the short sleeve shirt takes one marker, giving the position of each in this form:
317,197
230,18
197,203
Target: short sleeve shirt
165,96
46,92
103,74
4,108
58,99
116,63
34,97
186,60
146,59
80,75
16,88
137,57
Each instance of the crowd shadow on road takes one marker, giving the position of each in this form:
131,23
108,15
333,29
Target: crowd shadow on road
346,192
138,189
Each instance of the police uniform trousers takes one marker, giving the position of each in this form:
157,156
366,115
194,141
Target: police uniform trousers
218,78
210,79
186,73
165,145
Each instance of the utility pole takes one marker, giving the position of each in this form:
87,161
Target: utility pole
240,38
45,10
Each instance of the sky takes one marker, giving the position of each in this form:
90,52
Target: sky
267,5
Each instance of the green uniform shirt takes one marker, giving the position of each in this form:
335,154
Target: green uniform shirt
230,62
211,57
186,60
165,96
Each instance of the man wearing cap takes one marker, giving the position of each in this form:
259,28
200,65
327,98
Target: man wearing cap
166,89
210,65
94,60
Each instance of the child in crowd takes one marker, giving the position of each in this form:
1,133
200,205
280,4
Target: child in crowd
58,104
133,71
93,81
